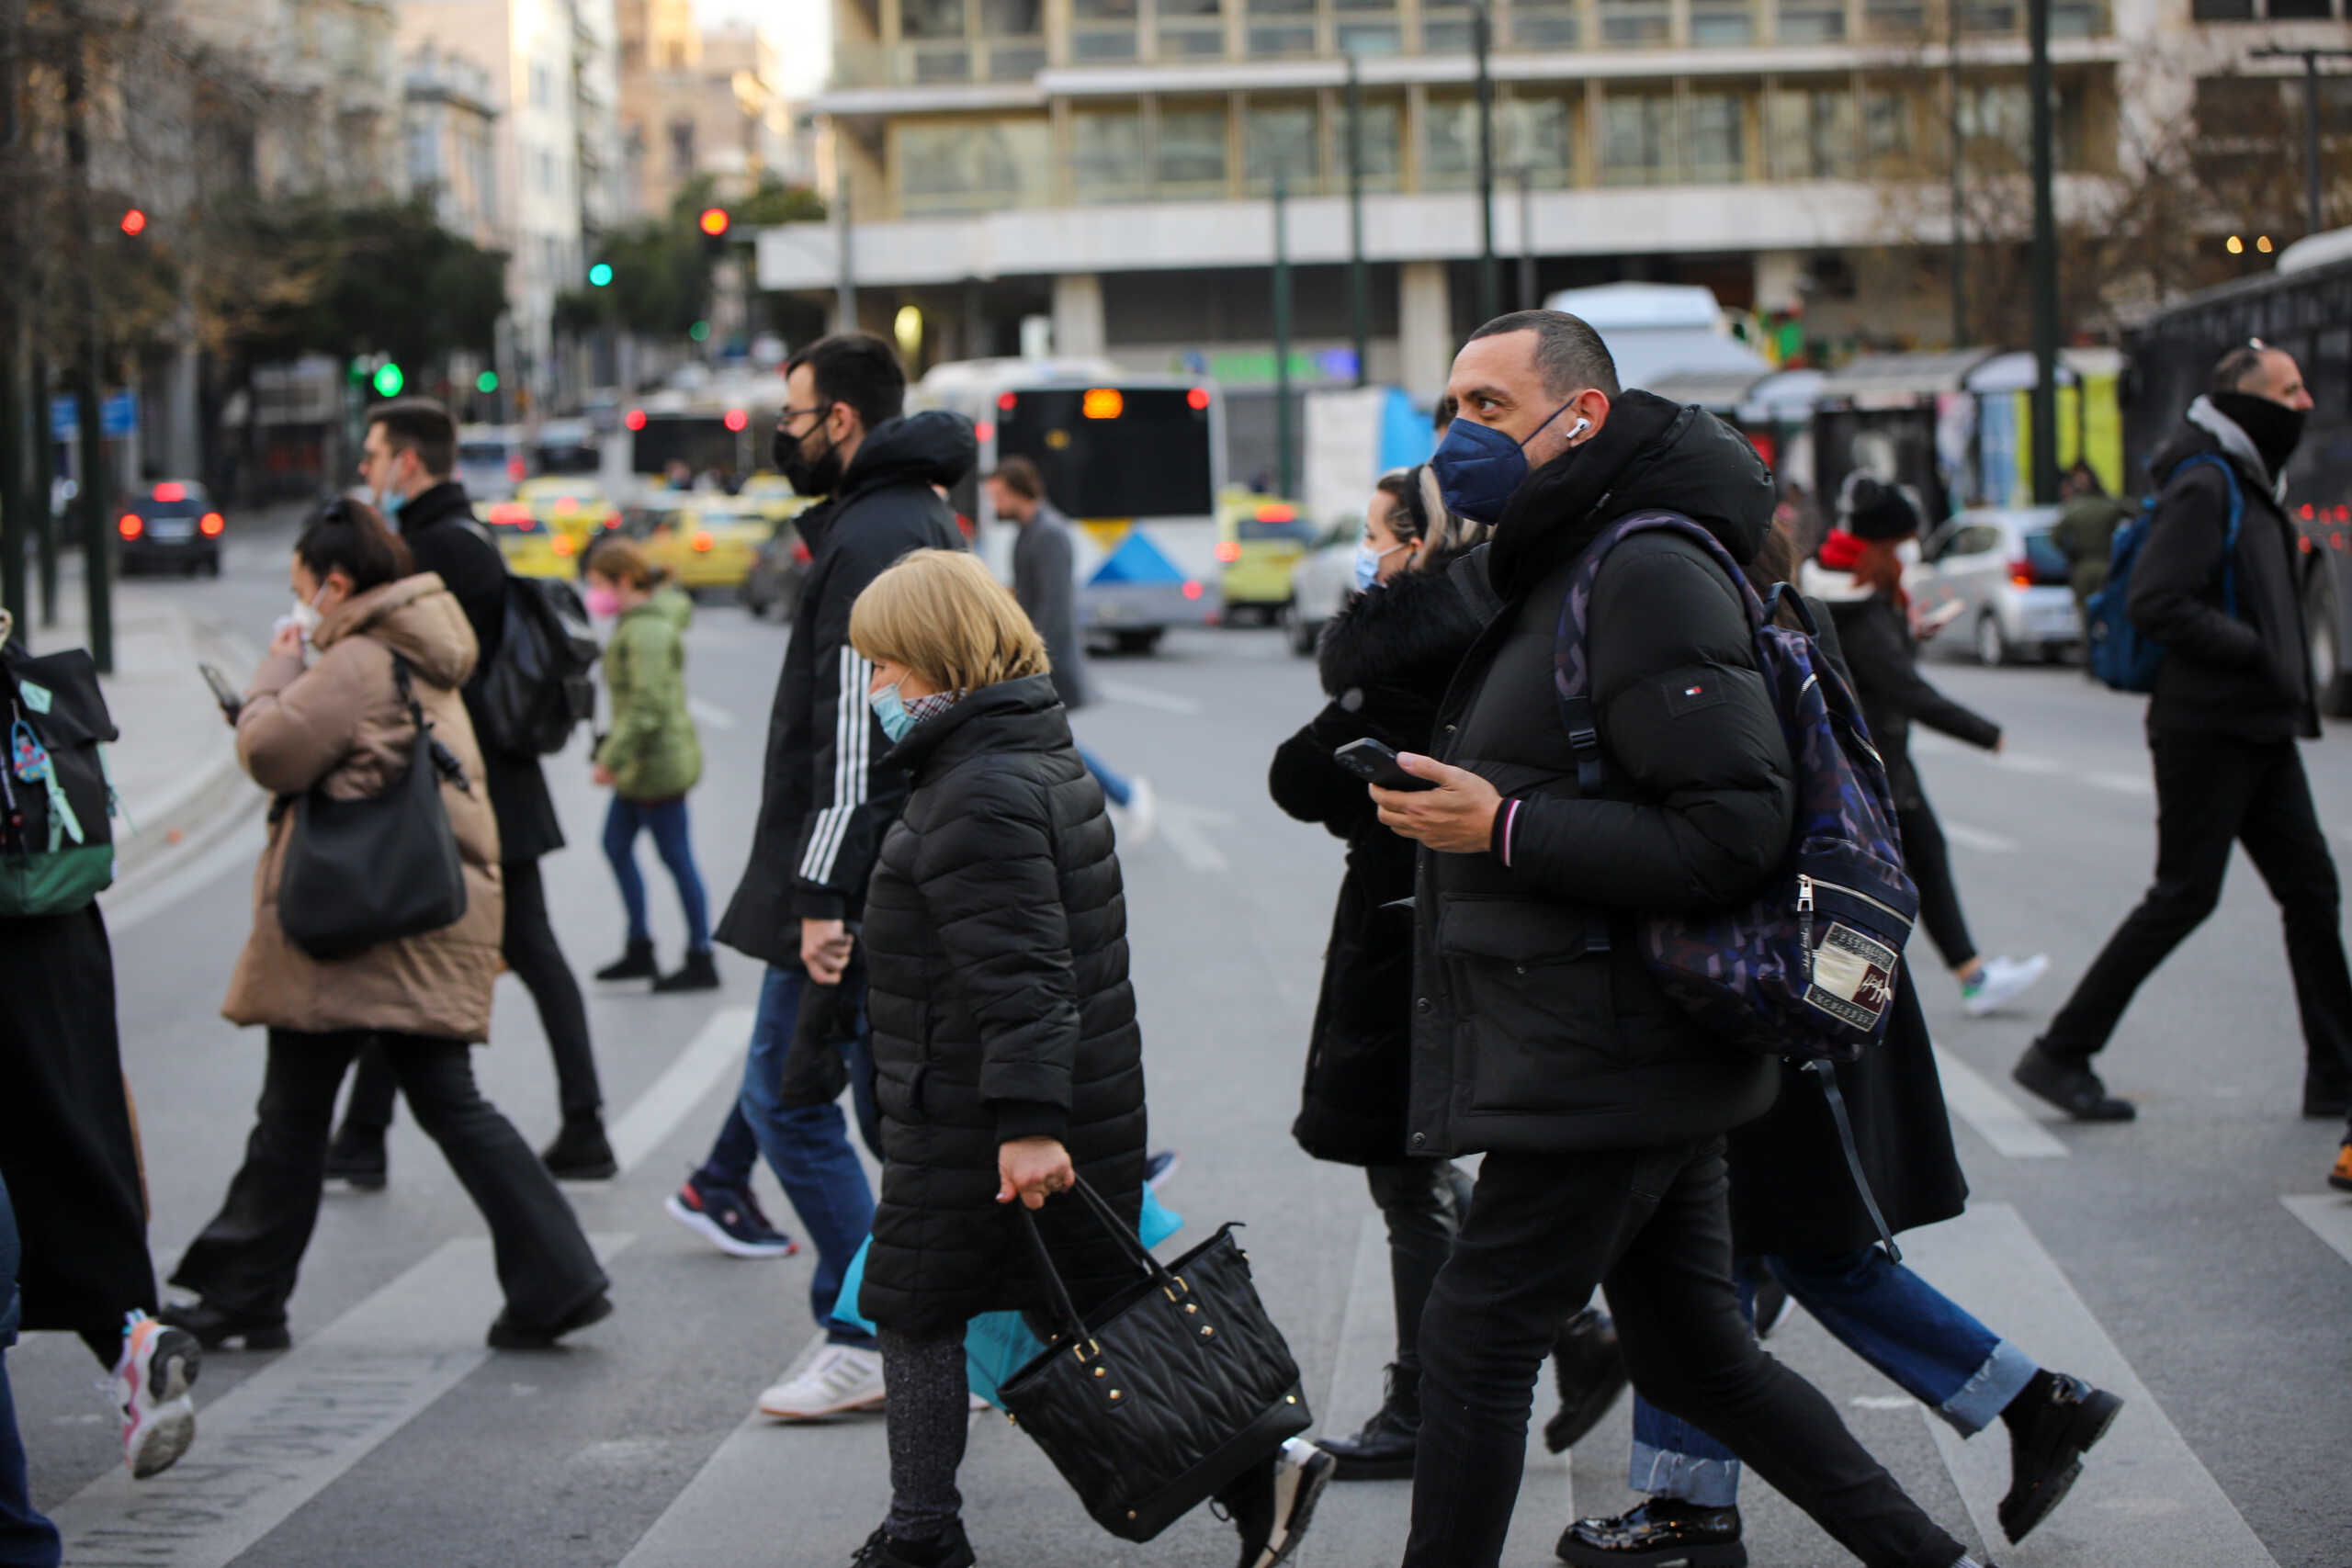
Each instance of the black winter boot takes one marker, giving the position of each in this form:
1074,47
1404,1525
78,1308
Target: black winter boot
635,962
1383,1449
1590,1371
2053,1421
699,973
581,1152
358,1157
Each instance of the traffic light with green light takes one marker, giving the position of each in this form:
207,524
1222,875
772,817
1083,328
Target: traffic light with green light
486,382
388,381
600,274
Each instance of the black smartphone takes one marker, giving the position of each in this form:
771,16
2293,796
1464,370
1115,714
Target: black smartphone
1373,762
222,693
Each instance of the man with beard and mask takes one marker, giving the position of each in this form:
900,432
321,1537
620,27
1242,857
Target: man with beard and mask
1539,1036
2234,695
828,795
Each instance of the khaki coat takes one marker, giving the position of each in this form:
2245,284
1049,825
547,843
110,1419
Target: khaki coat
341,725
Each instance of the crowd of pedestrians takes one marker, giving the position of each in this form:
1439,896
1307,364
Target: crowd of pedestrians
934,888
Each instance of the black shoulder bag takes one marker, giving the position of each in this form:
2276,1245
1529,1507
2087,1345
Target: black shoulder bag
362,872
1170,1388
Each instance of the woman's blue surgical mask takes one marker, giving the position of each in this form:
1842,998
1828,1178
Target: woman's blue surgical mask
1479,468
1368,564
890,712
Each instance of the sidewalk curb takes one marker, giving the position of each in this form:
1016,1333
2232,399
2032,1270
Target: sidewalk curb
187,818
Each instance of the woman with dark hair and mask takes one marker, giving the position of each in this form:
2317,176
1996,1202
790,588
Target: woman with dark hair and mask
1859,574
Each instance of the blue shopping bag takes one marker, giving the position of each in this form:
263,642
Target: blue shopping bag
998,1344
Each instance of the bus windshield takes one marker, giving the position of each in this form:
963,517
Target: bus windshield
702,442
1113,452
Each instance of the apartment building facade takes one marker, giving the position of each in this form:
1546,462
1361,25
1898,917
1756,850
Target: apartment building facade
705,103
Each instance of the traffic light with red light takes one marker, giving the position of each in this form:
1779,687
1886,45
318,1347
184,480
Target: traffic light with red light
134,222
715,222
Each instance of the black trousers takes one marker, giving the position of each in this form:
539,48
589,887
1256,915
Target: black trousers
1928,859
1651,1225
529,942
1423,1200
2213,791
247,1259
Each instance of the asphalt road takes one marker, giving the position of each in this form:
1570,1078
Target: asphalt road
2189,1261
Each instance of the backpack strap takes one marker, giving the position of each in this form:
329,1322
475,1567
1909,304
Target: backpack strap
445,762
2237,516
1825,1073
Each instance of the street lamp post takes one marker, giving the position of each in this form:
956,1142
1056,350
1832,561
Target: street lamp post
17,502
2315,196
1359,300
98,549
845,289
1481,41
1527,299
1959,185
2045,261
1285,460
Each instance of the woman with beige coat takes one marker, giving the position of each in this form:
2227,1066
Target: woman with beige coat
343,726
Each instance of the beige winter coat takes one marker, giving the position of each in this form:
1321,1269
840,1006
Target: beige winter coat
342,723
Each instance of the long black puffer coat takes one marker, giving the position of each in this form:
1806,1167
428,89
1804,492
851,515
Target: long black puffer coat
1882,661
996,946
1386,661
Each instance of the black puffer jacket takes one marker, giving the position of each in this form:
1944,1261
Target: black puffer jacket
828,792
1884,661
2247,674
443,535
1385,660
996,942
1536,1026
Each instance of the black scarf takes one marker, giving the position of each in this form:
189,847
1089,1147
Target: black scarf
2275,429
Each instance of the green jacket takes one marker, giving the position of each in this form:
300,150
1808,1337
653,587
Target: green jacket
652,750
2085,531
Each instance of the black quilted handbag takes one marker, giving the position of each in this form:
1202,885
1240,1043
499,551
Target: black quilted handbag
1167,1390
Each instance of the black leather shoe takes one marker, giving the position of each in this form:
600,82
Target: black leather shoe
1590,1370
358,1158
2326,1099
2071,1086
214,1326
952,1549
635,962
1660,1533
581,1151
2061,1418
699,973
1383,1449
505,1333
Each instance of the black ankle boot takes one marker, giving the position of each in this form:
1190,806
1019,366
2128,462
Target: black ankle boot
2052,1422
1590,1371
635,962
581,1152
1383,1449
699,973
1659,1531
215,1327
358,1157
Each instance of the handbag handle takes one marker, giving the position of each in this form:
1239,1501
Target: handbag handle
1124,1234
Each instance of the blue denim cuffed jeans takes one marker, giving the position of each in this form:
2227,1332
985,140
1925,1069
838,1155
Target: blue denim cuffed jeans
667,821
1883,1313
808,1147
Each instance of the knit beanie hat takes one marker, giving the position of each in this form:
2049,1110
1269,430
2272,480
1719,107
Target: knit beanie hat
1879,512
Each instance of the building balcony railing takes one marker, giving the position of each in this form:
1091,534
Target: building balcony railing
1198,31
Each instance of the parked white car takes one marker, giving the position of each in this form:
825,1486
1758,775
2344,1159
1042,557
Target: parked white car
1320,585
2008,578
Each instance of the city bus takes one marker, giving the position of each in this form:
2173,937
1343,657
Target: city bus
721,429
1136,460
2305,308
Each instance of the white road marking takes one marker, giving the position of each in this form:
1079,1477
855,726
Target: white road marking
241,845
714,1053
1145,696
2145,1497
292,1429
1367,1335
2329,1216
1977,839
1186,830
2033,763
709,714
1995,1117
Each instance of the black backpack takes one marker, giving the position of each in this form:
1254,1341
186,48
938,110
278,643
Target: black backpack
56,801
539,687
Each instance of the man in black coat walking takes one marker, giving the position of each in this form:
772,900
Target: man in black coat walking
828,797
1539,1036
2231,699
408,459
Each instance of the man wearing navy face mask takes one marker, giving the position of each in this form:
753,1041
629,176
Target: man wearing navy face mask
1539,1038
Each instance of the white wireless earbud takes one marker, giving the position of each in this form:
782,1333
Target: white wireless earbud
1582,425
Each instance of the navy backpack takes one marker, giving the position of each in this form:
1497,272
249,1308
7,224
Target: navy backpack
2121,654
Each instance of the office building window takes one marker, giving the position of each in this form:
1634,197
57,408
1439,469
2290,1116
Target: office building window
542,86
972,166
1887,127
1723,24
930,18
1811,133
1537,25
1189,152
1449,143
1380,127
1901,19
1991,16
1445,27
1280,140
1634,24
1536,135
1193,29
1713,143
1106,155
1637,139
1812,22
1103,30
1013,18
1281,27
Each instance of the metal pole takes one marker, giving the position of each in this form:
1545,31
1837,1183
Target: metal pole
1489,283
1285,460
1527,299
2312,202
98,553
42,479
1359,288
1959,187
19,506
2045,262
846,291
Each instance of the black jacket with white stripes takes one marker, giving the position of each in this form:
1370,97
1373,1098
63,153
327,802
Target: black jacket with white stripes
828,796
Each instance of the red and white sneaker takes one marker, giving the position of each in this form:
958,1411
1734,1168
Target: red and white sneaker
150,1392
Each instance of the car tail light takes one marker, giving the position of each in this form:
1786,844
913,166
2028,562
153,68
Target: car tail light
171,490
562,545
737,418
702,542
1199,398
1277,512
1228,551
211,524
800,555
130,527
634,419
984,432
1193,590
1005,401
2021,572
612,521
511,514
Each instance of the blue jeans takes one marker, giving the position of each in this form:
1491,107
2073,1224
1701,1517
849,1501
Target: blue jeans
1115,788
1883,1313
27,1539
807,1148
667,821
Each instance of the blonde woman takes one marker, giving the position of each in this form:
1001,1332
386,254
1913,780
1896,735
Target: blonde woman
1006,1044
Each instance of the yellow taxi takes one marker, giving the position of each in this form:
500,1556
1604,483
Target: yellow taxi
704,542
571,503
1259,539
773,496
532,548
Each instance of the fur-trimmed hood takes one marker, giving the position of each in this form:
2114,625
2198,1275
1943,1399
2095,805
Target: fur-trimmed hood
1413,629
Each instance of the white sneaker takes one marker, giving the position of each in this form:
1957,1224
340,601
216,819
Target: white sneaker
1141,814
2002,980
842,1379
149,1392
